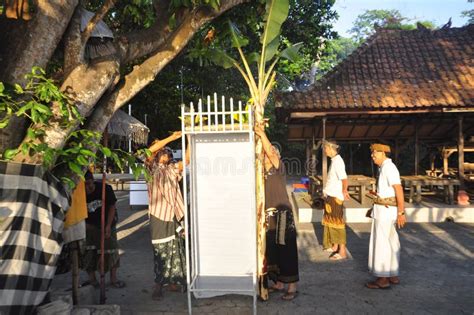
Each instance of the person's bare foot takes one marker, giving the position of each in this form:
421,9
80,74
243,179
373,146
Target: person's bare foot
277,287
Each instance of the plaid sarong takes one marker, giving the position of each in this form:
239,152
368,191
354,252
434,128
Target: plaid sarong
32,205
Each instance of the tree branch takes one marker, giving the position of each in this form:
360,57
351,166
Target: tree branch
99,15
85,85
143,74
142,43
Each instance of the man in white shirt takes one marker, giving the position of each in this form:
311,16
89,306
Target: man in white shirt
335,192
384,248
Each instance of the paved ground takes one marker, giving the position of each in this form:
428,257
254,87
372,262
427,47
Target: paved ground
437,274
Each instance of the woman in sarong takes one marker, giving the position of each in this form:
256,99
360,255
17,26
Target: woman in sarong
166,212
281,249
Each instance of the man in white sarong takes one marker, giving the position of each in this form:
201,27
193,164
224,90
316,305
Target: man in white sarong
384,248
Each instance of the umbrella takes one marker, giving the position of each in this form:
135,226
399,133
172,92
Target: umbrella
124,125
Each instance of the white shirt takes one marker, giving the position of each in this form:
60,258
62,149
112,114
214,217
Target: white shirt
388,176
337,172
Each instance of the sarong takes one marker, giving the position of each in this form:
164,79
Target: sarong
168,252
333,222
91,258
384,249
282,260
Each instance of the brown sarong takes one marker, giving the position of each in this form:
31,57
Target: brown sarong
333,213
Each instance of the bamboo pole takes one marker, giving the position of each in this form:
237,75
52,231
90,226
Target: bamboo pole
461,152
75,271
325,160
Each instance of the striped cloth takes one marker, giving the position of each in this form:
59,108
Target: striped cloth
32,204
165,198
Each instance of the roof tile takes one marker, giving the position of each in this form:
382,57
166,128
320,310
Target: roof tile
397,69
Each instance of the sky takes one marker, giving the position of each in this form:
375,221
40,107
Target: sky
437,11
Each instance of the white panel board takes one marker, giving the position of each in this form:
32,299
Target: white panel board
138,193
225,207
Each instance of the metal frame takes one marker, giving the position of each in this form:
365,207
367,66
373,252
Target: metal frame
215,124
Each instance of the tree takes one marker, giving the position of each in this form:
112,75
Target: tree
367,22
148,35
469,14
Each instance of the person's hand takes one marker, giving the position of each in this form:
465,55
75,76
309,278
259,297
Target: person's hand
346,195
401,220
108,232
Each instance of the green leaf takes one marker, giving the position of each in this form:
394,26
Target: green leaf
292,52
220,58
238,40
4,123
87,153
272,49
43,109
10,154
18,89
68,182
253,57
276,14
24,108
2,88
76,168
25,148
106,151
81,160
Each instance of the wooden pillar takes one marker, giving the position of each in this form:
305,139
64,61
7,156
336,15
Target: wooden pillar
309,147
445,162
312,164
460,151
417,149
351,164
395,152
325,160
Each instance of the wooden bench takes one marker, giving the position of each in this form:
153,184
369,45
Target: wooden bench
415,184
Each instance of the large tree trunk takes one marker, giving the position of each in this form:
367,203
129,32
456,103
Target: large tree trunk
31,44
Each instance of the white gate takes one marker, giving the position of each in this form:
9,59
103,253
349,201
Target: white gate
221,249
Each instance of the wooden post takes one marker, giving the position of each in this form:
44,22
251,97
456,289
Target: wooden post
460,152
75,270
395,152
325,160
312,163
308,157
351,164
445,162
417,149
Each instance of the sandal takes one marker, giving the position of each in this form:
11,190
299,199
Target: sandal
289,296
118,284
336,256
394,280
376,285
